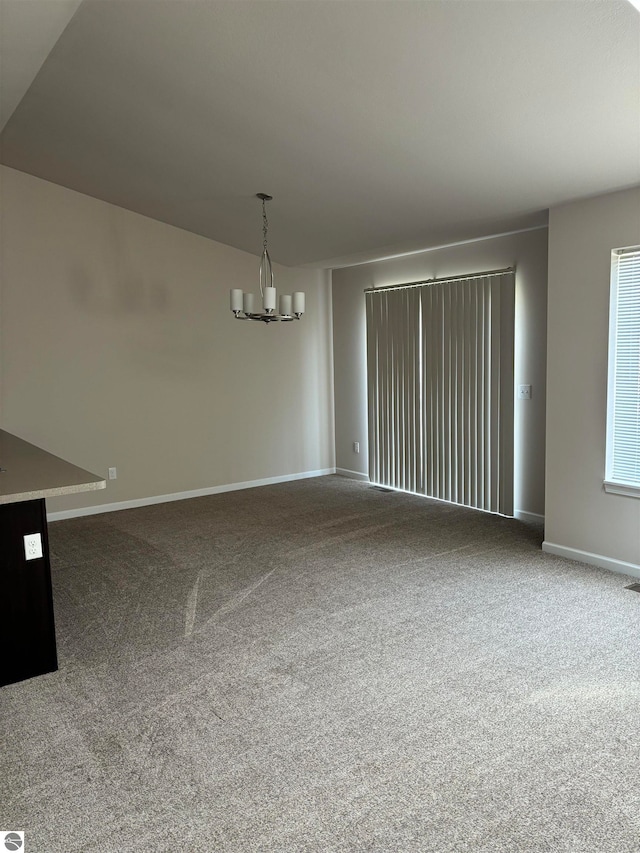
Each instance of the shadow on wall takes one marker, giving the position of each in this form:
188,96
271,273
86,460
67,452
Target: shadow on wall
117,296
143,325
136,316
123,290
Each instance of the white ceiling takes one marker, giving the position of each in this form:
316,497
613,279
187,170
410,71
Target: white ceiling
28,31
378,127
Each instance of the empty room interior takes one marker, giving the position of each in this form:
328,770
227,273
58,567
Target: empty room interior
319,425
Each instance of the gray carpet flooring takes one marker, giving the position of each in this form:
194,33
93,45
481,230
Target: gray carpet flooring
323,666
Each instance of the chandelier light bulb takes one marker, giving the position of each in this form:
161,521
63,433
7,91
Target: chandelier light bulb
285,304
298,303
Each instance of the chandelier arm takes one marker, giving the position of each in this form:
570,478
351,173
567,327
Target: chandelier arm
266,271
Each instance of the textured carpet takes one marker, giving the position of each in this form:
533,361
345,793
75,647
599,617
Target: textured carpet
322,666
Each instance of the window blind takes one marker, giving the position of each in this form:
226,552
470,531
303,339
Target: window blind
623,402
440,389
394,379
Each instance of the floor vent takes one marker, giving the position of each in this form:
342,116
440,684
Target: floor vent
634,586
381,489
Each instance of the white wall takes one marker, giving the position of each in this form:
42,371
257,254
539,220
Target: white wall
527,251
118,349
582,520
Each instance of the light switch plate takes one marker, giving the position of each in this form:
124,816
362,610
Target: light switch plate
524,392
33,546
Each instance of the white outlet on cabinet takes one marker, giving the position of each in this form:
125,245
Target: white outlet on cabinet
32,546
113,473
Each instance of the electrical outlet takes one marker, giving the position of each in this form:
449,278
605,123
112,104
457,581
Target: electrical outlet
356,447
524,392
33,546
113,473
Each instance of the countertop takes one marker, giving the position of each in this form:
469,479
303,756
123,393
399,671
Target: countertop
29,473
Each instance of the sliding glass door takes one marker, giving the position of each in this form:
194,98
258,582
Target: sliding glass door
440,389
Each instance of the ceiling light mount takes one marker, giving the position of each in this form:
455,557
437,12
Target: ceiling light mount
290,307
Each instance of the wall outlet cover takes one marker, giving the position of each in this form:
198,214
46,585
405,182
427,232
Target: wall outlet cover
33,546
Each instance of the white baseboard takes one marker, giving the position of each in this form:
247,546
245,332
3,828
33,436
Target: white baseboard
352,475
619,566
528,517
180,496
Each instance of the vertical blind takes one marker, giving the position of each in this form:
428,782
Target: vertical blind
623,410
440,389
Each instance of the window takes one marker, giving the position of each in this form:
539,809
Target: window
622,475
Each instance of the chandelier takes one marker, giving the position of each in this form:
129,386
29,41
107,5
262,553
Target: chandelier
290,307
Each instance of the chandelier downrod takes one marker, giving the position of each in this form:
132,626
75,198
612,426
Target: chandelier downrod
290,307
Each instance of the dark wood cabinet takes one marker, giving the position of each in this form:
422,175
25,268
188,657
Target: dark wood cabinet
27,628
29,475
